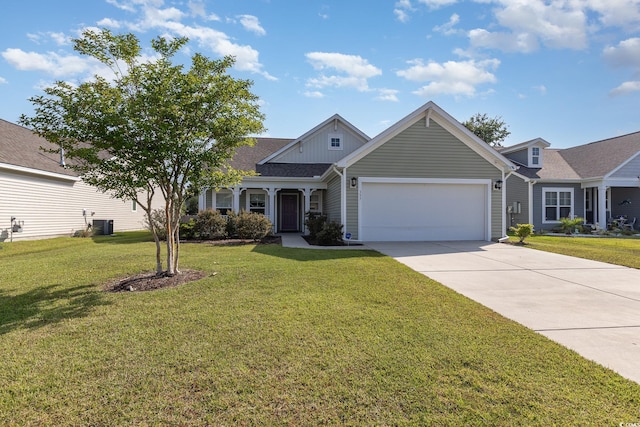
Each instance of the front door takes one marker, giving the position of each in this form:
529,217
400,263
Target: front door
289,214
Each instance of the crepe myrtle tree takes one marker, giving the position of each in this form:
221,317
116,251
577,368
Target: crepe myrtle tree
153,128
493,131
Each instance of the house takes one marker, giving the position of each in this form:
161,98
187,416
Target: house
42,199
427,177
596,181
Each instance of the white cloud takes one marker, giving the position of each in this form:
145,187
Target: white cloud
402,9
507,42
451,77
448,28
355,70
50,62
617,13
313,94
108,23
251,23
387,95
626,54
626,88
542,89
435,4
3,80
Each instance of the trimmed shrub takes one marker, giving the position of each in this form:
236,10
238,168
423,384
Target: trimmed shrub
330,234
314,223
252,225
188,229
522,231
210,225
232,221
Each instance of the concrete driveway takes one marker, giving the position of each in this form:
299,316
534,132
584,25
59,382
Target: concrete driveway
588,306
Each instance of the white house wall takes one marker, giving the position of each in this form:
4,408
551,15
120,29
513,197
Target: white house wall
53,207
315,149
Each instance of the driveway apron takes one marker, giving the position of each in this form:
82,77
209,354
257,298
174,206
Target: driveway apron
590,307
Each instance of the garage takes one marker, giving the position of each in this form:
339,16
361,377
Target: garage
423,210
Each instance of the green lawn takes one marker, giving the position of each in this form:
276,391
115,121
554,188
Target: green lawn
277,337
622,251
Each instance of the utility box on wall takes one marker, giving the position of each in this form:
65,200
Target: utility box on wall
102,227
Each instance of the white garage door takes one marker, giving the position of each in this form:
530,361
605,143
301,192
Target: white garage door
423,211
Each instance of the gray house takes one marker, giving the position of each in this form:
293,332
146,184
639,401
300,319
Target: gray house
599,181
426,177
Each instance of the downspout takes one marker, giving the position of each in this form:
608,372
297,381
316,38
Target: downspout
503,216
343,196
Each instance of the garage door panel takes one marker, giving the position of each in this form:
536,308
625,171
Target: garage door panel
423,211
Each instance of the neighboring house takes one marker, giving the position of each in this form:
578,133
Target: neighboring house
427,177
596,181
41,199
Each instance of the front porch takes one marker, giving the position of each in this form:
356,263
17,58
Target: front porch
604,205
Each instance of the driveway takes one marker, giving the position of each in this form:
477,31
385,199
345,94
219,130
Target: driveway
588,306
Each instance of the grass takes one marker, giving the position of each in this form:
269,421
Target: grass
277,337
621,251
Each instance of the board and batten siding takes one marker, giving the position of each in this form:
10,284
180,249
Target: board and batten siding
315,149
332,199
518,191
424,152
52,207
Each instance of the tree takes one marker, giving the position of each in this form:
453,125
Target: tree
154,128
492,131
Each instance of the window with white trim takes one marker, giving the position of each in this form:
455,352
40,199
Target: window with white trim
535,156
134,205
256,202
224,201
335,141
315,202
557,203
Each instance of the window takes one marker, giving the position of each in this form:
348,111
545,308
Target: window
224,201
335,141
134,206
558,203
315,202
257,202
535,156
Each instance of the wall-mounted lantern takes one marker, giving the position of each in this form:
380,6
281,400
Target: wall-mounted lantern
497,185
354,182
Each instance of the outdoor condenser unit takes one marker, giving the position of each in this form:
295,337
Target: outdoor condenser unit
102,227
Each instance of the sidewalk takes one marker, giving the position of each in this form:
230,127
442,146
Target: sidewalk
294,240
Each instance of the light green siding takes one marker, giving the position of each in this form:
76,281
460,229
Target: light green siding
518,191
424,152
332,199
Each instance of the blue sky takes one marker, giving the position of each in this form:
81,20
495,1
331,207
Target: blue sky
564,70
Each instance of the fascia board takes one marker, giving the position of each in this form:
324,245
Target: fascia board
38,172
622,165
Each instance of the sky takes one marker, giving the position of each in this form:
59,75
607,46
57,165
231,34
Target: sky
567,71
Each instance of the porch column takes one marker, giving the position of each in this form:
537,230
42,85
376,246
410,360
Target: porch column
202,200
236,198
602,207
307,204
272,192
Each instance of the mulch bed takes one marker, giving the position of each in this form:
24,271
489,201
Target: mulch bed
150,281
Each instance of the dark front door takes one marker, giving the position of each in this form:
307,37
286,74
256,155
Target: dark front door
289,214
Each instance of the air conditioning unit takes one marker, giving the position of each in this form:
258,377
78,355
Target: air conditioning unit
102,227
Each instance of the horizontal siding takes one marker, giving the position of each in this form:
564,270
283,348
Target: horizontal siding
425,152
520,156
518,191
578,203
52,207
630,170
315,149
332,199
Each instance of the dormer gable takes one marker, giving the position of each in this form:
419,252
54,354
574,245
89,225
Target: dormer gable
529,153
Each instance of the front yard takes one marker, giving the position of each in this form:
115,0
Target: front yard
276,337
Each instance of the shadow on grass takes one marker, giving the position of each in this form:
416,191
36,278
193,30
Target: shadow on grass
46,305
298,254
122,238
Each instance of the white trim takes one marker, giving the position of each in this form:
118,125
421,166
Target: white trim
544,203
214,199
261,192
487,183
622,165
286,193
526,144
39,172
337,136
532,156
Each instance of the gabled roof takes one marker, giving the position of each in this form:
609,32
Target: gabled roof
314,130
539,142
20,150
247,157
600,158
555,168
306,170
431,111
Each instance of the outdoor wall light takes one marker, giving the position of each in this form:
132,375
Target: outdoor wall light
497,185
354,182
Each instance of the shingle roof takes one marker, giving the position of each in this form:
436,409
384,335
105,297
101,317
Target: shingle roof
247,157
306,170
19,146
554,167
602,157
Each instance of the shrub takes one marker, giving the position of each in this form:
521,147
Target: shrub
210,225
568,225
522,231
87,232
252,225
188,229
314,223
158,218
232,221
330,234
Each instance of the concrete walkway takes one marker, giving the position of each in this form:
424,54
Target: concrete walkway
295,240
588,306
